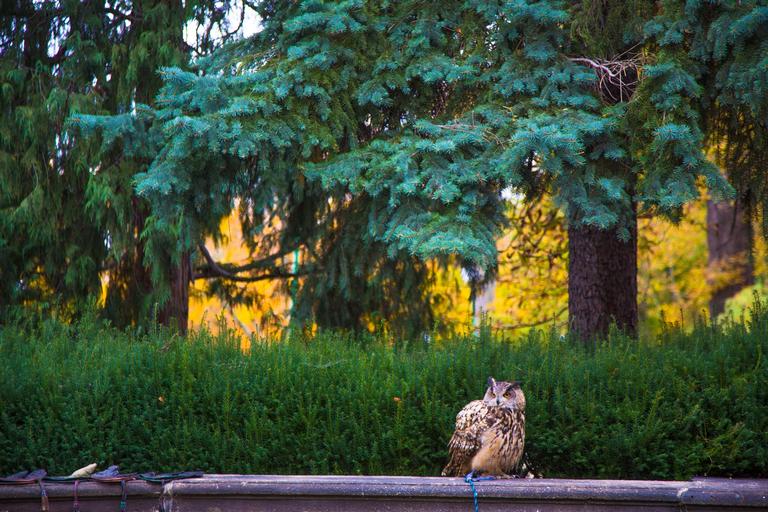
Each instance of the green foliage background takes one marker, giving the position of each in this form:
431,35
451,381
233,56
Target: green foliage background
683,405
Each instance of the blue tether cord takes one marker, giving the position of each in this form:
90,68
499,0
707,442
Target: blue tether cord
470,479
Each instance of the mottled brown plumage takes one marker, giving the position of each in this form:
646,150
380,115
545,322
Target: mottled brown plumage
490,433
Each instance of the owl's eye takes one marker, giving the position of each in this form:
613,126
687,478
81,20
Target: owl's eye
493,395
507,395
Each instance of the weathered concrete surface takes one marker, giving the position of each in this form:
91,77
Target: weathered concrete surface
236,493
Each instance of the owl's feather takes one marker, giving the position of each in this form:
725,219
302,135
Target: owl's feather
471,422
488,439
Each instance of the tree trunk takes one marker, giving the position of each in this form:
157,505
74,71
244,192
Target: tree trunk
729,240
131,292
130,282
602,281
176,310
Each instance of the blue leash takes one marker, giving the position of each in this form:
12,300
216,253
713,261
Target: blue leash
470,479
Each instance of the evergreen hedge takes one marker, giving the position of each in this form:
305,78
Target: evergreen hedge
682,405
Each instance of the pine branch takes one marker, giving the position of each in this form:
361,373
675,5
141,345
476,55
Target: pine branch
214,267
58,57
32,12
251,279
227,35
121,15
216,270
262,263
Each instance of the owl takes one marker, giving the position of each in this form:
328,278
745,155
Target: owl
490,433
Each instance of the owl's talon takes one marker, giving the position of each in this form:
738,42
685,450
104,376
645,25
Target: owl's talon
469,476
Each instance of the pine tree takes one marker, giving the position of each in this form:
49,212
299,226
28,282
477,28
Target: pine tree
246,137
50,250
381,134
730,45
69,212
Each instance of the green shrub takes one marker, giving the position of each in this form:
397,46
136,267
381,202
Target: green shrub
685,404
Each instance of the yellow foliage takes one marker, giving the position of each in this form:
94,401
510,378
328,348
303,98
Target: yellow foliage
531,288
264,320
450,299
672,282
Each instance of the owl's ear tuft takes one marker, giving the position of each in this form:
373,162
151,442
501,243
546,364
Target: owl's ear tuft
491,382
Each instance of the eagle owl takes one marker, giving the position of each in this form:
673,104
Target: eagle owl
490,433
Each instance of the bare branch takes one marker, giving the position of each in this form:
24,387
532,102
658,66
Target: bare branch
216,270
595,64
212,265
251,279
617,77
533,324
262,263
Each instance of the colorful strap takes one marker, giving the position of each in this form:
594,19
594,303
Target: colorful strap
76,504
124,497
44,505
160,478
24,477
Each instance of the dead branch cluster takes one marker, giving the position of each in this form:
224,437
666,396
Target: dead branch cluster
617,78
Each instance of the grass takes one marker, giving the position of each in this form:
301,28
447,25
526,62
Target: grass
684,404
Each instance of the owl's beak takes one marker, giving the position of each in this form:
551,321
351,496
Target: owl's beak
498,401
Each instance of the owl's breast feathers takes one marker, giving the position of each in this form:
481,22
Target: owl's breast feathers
493,437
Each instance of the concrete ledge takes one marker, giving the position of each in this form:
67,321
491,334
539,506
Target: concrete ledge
221,493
